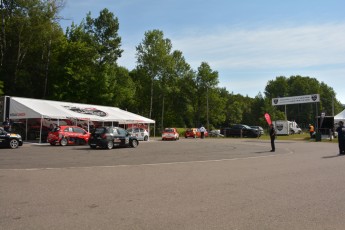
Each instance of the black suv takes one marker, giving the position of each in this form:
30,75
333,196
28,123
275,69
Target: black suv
239,130
110,137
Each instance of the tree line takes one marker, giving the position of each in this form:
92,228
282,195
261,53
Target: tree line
40,60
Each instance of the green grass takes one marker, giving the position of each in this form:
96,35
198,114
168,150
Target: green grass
293,137
298,137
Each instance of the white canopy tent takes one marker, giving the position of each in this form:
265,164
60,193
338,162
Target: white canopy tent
339,117
26,108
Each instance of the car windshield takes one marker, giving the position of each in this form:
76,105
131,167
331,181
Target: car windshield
169,130
99,130
122,132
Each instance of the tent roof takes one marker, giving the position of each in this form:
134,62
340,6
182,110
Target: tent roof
21,108
340,116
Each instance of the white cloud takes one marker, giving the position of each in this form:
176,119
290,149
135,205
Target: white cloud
261,54
302,46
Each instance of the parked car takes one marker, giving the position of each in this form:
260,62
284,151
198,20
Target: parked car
261,130
110,137
11,140
215,133
140,133
240,130
194,132
68,135
170,134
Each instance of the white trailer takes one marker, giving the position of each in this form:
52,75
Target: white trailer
284,127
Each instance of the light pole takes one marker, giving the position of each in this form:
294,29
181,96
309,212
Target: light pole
208,122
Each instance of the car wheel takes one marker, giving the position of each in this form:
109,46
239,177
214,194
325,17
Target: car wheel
110,145
146,138
92,146
63,141
134,143
14,144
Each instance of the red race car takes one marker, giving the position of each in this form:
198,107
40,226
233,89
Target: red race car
68,135
194,132
170,134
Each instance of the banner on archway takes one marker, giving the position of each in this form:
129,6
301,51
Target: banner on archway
296,100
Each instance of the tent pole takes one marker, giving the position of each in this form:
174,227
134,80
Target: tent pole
26,130
149,131
41,129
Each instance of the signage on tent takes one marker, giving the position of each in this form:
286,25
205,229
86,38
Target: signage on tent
89,111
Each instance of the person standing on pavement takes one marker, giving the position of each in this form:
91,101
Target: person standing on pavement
7,125
202,132
341,137
273,137
311,130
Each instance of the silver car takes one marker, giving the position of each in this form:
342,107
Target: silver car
261,130
140,133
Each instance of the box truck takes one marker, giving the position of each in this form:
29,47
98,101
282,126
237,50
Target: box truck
284,127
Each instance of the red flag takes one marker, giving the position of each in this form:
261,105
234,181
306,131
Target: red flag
268,118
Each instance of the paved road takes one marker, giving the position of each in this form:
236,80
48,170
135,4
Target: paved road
187,184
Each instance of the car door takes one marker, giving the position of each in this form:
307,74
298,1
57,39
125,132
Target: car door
124,137
3,138
138,134
117,138
141,133
81,134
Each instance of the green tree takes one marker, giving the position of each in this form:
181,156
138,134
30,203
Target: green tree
89,63
206,80
174,108
153,53
28,34
103,34
300,85
1,88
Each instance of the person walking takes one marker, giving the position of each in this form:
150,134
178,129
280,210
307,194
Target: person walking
273,137
341,137
202,132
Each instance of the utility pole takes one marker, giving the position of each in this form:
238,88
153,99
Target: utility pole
208,122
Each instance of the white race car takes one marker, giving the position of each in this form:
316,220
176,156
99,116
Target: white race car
140,133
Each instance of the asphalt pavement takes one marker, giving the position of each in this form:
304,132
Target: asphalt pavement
186,184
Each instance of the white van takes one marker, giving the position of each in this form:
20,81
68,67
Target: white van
284,127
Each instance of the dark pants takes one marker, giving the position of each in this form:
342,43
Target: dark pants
341,143
202,135
272,143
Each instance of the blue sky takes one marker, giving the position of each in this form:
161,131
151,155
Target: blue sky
248,42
